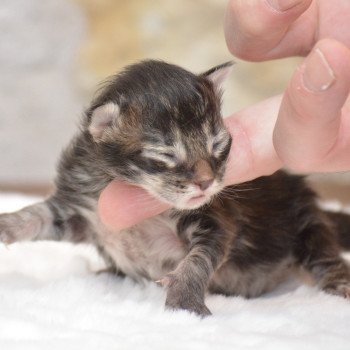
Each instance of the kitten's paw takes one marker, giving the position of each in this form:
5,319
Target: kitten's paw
19,226
180,296
340,289
5,237
6,233
199,309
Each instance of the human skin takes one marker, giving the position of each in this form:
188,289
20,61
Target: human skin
312,129
307,129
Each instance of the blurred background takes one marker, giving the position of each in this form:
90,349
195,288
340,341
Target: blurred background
54,53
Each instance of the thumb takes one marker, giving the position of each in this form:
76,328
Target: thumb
311,121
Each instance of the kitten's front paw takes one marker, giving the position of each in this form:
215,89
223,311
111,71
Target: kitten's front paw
5,237
182,303
181,296
340,289
6,233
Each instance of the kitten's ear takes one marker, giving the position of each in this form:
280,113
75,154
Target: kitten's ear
217,75
102,119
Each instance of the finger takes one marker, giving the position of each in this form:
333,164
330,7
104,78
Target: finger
122,205
258,30
252,154
312,133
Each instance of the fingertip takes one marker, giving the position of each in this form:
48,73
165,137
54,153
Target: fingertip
310,115
320,86
254,30
297,6
252,153
337,54
123,205
108,204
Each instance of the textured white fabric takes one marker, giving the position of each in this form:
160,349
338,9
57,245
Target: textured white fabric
50,298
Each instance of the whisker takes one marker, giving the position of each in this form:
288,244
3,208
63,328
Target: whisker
231,198
240,189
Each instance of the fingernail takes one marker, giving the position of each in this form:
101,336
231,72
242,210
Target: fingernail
317,74
283,5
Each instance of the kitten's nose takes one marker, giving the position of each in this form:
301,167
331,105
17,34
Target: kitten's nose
204,175
203,185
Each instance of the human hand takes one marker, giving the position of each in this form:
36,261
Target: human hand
313,121
312,132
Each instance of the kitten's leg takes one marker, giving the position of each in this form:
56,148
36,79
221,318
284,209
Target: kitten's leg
187,284
319,253
48,220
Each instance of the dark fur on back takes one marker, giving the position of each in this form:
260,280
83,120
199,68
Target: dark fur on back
159,126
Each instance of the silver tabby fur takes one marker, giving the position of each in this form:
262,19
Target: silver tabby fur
159,126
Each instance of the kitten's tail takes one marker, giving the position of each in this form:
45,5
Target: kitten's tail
341,221
44,221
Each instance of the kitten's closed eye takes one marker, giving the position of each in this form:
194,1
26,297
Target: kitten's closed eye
168,156
217,145
159,159
221,147
157,165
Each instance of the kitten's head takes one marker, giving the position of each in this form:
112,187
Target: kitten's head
159,126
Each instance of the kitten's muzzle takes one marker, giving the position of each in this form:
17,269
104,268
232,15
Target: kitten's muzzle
204,184
196,200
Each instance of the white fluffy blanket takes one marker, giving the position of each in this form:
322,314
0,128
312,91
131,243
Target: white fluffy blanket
50,298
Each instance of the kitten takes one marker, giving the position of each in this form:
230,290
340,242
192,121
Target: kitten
159,126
